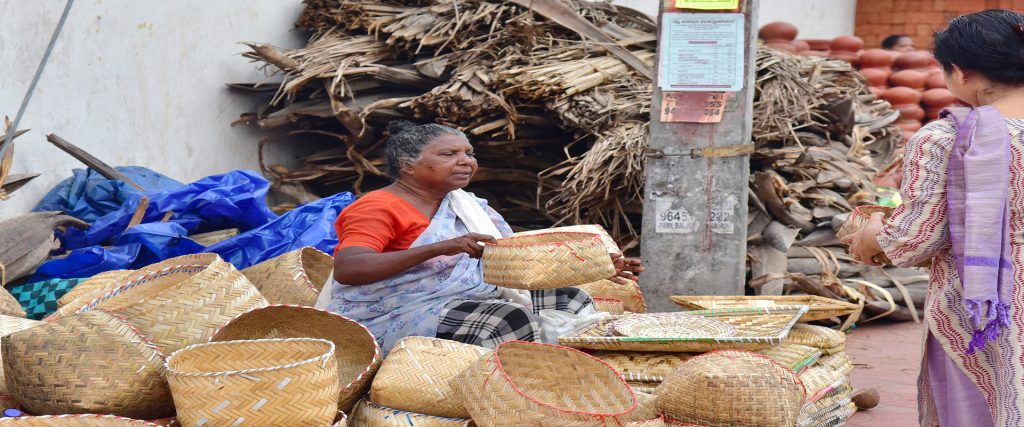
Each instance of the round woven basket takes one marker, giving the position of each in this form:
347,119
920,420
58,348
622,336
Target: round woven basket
9,305
10,325
98,285
272,382
644,366
358,355
630,295
609,305
547,261
732,387
416,374
182,305
91,363
8,402
293,278
816,336
525,383
606,238
654,422
860,218
369,414
79,420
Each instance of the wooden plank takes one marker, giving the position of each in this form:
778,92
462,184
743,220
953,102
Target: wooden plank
91,161
701,189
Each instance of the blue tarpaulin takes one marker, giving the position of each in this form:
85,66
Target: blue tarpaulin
232,200
87,195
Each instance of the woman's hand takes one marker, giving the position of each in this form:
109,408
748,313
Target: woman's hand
467,244
864,243
625,268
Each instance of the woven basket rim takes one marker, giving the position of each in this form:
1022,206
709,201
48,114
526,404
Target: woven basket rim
759,356
500,367
302,254
504,242
139,280
64,416
377,358
369,403
323,357
608,300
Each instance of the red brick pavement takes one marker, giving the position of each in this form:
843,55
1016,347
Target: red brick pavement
887,356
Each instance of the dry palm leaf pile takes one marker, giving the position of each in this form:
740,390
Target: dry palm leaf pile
820,136
560,122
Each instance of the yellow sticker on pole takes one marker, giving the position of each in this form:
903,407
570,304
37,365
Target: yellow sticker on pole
708,4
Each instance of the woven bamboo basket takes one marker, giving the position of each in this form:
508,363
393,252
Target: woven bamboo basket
10,325
860,218
756,328
293,278
547,261
821,382
77,420
358,355
816,336
644,367
609,305
91,363
416,374
825,412
839,362
100,284
182,305
793,356
292,381
837,415
646,408
648,387
654,422
726,388
609,243
819,308
524,383
630,295
369,414
9,305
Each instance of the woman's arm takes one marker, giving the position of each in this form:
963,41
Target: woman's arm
918,229
357,265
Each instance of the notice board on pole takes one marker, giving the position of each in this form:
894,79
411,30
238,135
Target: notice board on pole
702,52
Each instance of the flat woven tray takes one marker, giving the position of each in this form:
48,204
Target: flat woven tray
819,308
756,328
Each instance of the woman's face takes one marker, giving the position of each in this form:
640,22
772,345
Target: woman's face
904,44
446,164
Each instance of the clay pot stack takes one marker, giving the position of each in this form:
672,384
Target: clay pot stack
781,36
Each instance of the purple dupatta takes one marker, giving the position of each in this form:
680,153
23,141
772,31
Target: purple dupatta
979,219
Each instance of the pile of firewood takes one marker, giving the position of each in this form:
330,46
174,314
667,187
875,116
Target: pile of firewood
559,117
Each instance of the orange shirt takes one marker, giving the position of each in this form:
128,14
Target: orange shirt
380,221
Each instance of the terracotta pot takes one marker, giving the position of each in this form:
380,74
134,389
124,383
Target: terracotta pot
778,31
908,78
782,45
875,76
907,134
910,112
819,44
877,91
820,53
801,45
938,98
932,114
932,62
909,125
936,81
844,56
876,58
915,60
850,44
901,96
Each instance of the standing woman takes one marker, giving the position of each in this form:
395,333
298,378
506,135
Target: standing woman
963,189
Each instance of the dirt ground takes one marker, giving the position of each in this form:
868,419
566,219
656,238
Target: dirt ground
887,356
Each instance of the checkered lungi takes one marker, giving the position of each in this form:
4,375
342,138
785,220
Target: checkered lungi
489,323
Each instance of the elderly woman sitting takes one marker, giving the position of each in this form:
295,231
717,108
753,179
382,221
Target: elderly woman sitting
408,258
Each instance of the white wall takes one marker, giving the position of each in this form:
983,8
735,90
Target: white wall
135,83
815,18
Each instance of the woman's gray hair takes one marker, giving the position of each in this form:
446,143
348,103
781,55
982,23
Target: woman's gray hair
405,145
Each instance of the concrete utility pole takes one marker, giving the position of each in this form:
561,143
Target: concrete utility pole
695,210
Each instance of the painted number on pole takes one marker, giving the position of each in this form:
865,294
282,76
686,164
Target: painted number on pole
673,219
